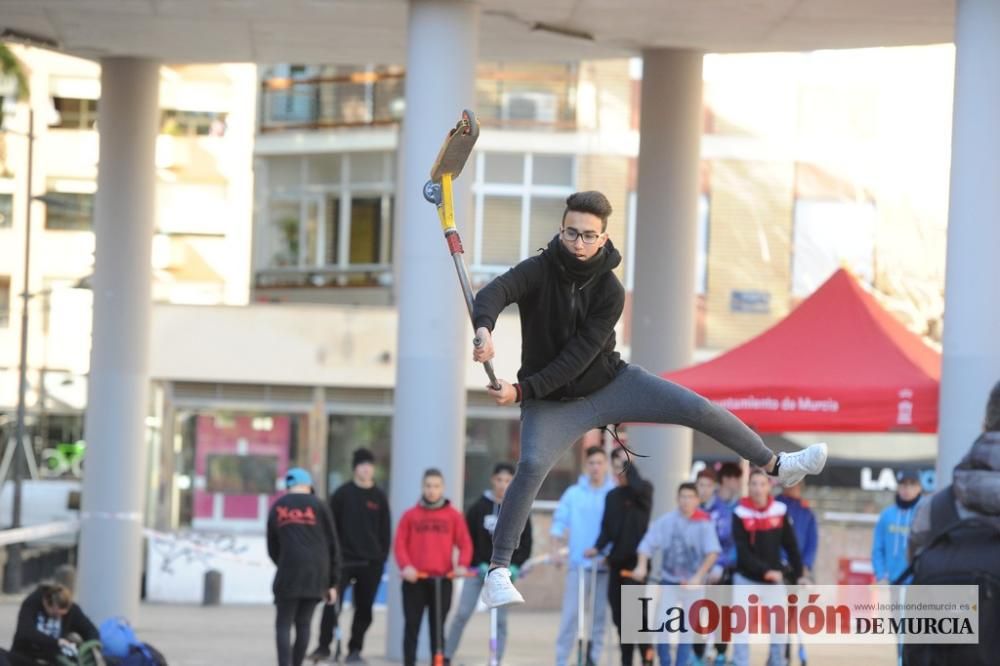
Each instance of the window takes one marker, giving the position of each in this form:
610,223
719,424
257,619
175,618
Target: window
283,234
234,474
75,113
69,211
4,301
519,199
6,210
192,123
522,94
330,212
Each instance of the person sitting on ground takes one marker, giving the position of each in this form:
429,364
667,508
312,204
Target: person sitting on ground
49,626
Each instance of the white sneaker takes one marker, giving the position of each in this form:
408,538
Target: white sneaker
796,466
498,591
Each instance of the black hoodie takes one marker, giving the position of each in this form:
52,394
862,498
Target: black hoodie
361,516
37,635
568,314
626,518
302,543
481,518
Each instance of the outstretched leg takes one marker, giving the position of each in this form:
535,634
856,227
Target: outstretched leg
636,396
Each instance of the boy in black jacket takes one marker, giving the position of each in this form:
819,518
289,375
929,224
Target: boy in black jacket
44,623
481,518
626,517
572,380
302,543
361,516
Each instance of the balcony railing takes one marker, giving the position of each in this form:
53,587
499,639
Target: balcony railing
355,100
510,96
357,275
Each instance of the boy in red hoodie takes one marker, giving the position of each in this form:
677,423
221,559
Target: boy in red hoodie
425,549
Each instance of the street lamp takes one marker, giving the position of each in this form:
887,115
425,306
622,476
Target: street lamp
13,569
13,577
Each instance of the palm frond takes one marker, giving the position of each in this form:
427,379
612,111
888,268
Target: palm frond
11,66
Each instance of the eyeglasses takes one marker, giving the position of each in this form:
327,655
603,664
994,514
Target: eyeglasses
571,234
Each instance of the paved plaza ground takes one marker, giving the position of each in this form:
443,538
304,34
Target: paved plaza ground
243,635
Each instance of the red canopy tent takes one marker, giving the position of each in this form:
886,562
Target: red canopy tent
837,363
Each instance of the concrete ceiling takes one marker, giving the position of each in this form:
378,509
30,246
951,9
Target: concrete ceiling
356,31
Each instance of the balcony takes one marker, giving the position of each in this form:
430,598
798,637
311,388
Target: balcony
508,95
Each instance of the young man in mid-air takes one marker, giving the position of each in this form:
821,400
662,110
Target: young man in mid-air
572,380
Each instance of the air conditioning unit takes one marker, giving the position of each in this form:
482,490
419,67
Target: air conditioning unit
542,107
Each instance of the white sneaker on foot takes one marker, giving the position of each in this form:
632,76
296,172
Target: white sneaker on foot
796,466
498,591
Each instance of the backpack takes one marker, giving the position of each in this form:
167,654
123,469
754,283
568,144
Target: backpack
123,647
959,552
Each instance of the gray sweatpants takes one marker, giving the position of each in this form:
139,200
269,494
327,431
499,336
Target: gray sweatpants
549,427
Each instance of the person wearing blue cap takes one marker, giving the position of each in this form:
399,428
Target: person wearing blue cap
302,543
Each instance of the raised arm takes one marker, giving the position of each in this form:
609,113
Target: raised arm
505,289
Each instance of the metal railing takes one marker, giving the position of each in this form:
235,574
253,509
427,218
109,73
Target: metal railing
360,99
508,96
358,275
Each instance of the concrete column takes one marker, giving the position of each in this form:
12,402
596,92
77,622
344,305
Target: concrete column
434,331
665,246
971,359
165,510
114,482
319,429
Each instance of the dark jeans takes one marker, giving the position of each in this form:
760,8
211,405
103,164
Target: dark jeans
298,612
364,578
416,597
615,581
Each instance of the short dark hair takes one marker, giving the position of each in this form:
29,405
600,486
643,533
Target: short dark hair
730,470
594,450
992,423
757,470
503,467
706,474
687,485
592,202
433,471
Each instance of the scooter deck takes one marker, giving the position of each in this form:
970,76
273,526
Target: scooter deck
457,147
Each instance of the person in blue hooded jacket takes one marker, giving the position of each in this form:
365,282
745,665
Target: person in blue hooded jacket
804,523
576,524
892,532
